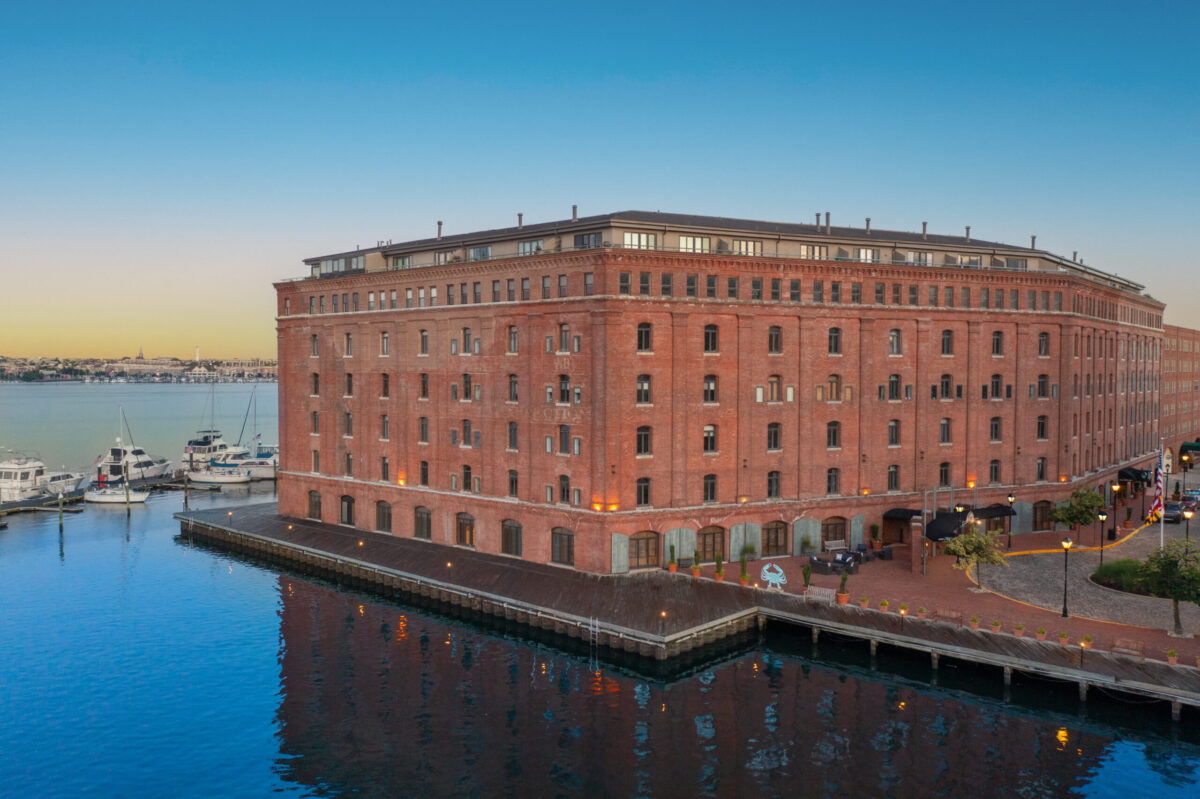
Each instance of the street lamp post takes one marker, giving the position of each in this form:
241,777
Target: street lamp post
1066,545
1011,518
1186,459
1187,529
1103,517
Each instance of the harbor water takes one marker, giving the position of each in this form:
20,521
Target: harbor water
134,662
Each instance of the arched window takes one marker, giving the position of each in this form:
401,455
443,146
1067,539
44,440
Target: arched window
512,388
835,341
710,542
944,474
894,345
347,513
774,436
773,392
893,388
944,436
643,337
510,537
996,387
947,342
710,338
383,516
562,546
710,388
643,550
893,432
314,505
994,429
997,342
710,488
773,485
643,389
833,479
775,539
464,529
512,338
423,346
945,386
1041,515
643,440
833,529
1043,344
893,477
422,523
774,339
642,496
833,435
1043,386
834,385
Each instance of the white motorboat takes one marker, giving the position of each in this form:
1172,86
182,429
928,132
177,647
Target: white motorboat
208,445
25,476
113,493
123,460
261,468
222,476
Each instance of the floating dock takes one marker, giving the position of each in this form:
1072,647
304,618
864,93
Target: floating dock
655,614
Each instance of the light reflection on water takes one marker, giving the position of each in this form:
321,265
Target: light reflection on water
132,664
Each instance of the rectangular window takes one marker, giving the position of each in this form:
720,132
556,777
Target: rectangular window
623,284
532,247
896,294
587,241
694,244
776,289
316,460
644,283
589,285
747,247
562,285
710,286
794,291
641,241
385,427
880,293
818,291
856,293
690,285
667,288
835,291
479,253
511,290
732,285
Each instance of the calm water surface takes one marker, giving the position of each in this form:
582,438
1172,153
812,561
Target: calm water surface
134,664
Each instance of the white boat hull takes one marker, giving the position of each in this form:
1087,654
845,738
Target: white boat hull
220,476
113,495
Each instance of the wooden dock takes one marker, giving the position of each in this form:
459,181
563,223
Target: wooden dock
654,614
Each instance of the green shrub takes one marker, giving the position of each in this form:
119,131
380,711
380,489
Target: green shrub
1119,574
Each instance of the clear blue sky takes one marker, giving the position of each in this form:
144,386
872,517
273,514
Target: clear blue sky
177,159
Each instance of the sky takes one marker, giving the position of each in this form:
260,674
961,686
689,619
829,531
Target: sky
162,164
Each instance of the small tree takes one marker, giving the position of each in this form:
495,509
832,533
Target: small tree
976,546
1173,572
1081,509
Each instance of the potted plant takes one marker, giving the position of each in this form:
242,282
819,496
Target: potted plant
842,595
744,577
995,625
903,609
920,613
1128,517
1041,633
883,605
974,622
862,601
1172,656
875,542
696,566
718,570
1019,630
672,564
1062,639
1086,642
807,572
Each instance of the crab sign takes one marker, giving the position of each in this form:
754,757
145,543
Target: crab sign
773,576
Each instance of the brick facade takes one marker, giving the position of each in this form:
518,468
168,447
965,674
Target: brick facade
987,350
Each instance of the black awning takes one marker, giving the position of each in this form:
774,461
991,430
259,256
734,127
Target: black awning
1130,475
995,511
944,526
903,514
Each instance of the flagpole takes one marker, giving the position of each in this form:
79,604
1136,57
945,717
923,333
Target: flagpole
1162,513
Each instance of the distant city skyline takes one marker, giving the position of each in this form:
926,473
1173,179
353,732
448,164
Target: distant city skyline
164,165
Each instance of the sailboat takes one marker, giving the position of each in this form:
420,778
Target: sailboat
209,444
261,461
128,461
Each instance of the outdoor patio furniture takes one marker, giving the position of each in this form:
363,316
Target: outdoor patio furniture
835,546
885,553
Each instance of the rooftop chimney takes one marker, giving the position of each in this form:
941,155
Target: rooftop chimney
818,219
574,213
827,223
520,222
1075,255
439,230
924,230
968,233
868,226
1033,242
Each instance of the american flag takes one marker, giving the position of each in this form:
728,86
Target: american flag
1156,509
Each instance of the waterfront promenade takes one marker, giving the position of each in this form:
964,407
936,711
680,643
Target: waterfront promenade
661,615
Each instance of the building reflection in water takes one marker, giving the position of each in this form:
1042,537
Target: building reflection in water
379,700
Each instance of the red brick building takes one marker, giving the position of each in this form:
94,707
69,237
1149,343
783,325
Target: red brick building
595,390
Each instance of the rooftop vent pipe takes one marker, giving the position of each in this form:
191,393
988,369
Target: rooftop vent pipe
924,230
574,213
1033,242
968,233
868,226
826,223
1074,255
520,222
439,230
818,220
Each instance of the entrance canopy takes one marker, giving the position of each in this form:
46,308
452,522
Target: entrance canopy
902,514
944,526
